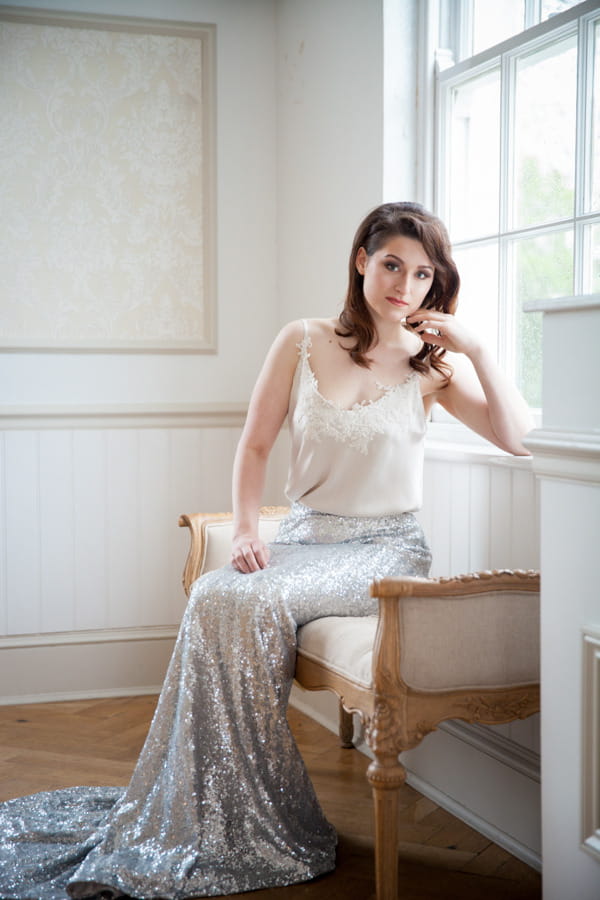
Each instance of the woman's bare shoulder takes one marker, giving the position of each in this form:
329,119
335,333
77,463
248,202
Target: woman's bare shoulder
322,329
287,339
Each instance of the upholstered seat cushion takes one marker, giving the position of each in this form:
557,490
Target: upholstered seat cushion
342,643
485,640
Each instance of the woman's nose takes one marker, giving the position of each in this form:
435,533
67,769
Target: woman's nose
402,286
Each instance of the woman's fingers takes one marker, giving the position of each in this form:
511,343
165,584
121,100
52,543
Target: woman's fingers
443,330
250,556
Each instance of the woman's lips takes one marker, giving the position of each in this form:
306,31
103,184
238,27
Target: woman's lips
397,301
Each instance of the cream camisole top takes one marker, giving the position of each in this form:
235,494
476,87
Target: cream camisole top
362,461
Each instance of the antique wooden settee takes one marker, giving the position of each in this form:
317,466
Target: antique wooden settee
464,647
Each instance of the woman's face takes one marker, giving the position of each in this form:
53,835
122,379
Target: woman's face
396,278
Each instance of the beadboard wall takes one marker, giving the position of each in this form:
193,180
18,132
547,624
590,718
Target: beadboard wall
90,552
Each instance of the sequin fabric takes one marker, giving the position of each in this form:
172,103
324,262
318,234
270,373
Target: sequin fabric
220,801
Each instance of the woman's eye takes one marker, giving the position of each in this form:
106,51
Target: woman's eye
392,267
423,275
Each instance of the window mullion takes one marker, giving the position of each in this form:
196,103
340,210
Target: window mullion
465,34
533,12
506,282
442,154
583,146
429,30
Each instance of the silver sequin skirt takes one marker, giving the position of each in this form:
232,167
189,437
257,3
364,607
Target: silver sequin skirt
220,801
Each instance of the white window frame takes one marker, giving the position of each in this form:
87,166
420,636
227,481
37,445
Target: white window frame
438,75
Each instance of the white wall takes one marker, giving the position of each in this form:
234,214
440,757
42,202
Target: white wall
246,232
330,144
567,459
342,79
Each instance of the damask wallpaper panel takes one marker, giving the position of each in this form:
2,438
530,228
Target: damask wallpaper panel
107,183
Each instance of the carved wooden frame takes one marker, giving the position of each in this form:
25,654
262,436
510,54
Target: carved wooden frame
395,716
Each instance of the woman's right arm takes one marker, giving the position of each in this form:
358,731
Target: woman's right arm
266,413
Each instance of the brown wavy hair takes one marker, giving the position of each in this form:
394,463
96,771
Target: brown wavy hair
380,225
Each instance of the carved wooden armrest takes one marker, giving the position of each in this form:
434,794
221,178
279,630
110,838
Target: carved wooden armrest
416,708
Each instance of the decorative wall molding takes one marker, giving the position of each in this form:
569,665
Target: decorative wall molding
109,173
68,666
142,415
567,455
590,775
89,636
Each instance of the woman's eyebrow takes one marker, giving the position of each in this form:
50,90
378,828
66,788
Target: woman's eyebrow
399,259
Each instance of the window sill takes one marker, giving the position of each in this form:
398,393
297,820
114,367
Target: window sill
457,443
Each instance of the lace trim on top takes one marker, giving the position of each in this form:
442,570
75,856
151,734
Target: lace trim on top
357,425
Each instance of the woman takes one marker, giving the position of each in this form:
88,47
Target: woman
220,801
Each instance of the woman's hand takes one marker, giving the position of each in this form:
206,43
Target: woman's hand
249,553
444,330
477,392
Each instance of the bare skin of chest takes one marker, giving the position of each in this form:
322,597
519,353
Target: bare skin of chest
344,383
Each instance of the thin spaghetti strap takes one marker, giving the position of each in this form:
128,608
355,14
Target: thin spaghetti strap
305,326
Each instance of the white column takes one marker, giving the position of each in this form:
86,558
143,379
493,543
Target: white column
567,461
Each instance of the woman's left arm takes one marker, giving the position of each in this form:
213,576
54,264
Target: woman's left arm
479,394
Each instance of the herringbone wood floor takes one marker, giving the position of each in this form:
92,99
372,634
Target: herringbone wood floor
46,746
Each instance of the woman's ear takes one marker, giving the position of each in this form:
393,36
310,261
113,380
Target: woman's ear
361,260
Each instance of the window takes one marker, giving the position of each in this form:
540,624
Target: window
517,169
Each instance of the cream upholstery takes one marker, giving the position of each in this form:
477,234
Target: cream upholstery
463,647
343,643
217,547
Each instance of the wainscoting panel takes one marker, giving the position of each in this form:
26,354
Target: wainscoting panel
91,537
480,514
89,542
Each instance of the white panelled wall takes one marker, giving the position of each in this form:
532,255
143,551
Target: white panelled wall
91,556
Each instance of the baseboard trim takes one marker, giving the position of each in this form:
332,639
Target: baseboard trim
504,840
47,668
498,747
89,636
65,696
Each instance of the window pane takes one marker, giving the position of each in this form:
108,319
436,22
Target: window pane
544,162
494,22
595,158
475,157
478,300
543,268
553,7
592,261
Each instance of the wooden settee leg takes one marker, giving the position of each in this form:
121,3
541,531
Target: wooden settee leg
386,777
346,728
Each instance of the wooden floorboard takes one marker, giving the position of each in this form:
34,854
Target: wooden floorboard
54,745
